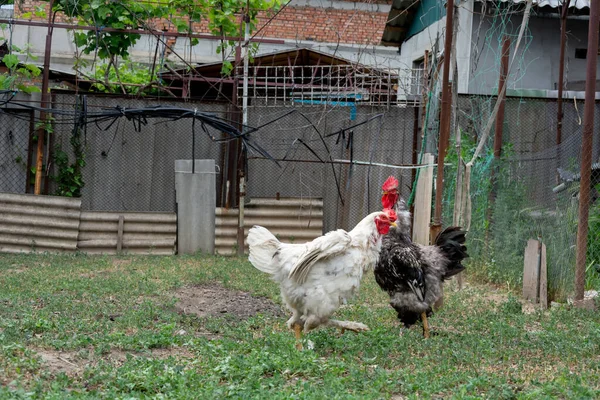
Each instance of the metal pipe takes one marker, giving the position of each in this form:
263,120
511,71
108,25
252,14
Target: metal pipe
586,150
241,164
501,87
561,79
444,135
347,162
44,104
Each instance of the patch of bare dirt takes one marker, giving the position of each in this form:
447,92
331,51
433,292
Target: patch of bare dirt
17,269
216,300
72,363
60,361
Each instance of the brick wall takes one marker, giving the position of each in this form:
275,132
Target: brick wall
297,23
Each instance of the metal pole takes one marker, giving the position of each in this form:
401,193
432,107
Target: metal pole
498,130
561,70
45,77
242,194
501,88
444,122
561,82
586,149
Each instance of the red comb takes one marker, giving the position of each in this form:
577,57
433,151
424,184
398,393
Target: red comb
390,184
391,214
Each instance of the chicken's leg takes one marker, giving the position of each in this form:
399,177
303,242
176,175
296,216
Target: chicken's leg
425,325
298,332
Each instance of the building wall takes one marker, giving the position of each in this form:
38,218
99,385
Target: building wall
537,63
349,29
432,37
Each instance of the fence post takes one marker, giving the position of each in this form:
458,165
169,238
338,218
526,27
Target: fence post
586,150
422,202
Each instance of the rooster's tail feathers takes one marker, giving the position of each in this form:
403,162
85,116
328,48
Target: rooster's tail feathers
452,243
263,247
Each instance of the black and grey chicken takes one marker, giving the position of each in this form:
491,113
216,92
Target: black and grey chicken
413,274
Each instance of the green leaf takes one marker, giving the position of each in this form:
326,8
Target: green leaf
26,15
10,60
194,41
80,39
35,70
32,89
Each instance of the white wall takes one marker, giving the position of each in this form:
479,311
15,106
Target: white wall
537,63
63,49
414,48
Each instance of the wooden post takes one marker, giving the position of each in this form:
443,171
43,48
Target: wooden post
120,234
39,162
535,273
423,202
498,130
444,135
586,149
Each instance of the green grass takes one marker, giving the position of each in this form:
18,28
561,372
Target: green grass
115,320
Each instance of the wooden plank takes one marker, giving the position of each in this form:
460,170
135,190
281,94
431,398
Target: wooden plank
530,271
543,280
120,234
423,202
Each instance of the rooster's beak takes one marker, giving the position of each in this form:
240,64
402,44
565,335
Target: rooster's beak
394,224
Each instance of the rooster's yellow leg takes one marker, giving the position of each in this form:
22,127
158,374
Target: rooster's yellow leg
425,325
298,332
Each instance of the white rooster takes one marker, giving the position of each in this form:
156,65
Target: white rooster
317,277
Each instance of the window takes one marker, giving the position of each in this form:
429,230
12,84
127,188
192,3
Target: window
581,53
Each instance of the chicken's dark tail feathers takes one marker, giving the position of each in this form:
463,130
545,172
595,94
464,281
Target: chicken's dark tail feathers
452,243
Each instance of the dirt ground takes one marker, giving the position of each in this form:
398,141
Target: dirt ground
71,362
202,301
216,300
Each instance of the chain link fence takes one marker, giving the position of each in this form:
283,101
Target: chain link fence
16,128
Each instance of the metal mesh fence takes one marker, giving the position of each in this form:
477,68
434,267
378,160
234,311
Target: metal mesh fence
348,193
530,192
130,170
16,127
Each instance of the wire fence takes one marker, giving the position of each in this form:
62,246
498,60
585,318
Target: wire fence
530,192
131,168
16,130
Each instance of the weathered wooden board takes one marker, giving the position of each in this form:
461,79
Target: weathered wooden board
423,197
543,280
530,271
535,273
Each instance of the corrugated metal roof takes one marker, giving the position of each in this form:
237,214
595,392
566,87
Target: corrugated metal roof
579,4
